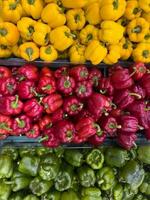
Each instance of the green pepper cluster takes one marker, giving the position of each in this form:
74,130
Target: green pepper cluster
106,173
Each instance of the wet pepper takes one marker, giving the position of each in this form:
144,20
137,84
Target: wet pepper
8,86
83,89
66,84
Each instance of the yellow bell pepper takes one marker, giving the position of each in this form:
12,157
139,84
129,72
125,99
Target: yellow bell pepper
74,3
132,10
48,53
53,15
75,19
50,1
146,16
11,11
145,5
126,48
111,32
61,38
95,52
41,34
113,54
33,7
93,1
26,27
88,33
15,49
5,51
9,34
112,9
142,52
92,13
29,51
137,29
76,54
147,38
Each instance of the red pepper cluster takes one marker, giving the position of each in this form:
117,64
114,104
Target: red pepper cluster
75,104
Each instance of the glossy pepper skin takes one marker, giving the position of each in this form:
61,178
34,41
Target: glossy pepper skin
5,72
21,124
126,140
46,71
57,115
79,72
52,102
66,85
11,105
83,89
145,83
95,159
47,85
143,154
69,195
129,124
34,132
32,108
138,70
5,190
5,125
95,76
10,151
54,195
61,71
91,193
6,166
50,139
8,86
105,86
45,122
97,139
86,176
138,90
72,106
73,157
65,131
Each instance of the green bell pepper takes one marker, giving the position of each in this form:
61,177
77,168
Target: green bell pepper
105,178
52,195
75,183
17,196
144,154
91,191
26,151
49,167
140,197
59,151
73,157
145,186
39,186
40,151
86,176
5,190
132,173
11,151
91,198
128,192
116,157
69,195
64,178
31,197
117,192
95,159
29,165
6,166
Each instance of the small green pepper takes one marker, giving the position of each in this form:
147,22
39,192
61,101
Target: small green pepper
31,197
5,190
128,192
26,151
144,154
6,166
73,157
117,192
69,195
105,178
29,165
49,167
132,173
91,191
116,157
145,186
95,159
43,151
86,176
39,186
52,195
11,151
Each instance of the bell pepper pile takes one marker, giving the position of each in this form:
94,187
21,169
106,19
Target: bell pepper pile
75,104
106,173
80,30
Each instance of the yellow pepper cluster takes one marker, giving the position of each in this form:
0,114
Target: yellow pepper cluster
81,30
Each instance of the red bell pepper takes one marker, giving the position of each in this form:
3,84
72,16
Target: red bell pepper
78,140
121,79
52,102
105,86
21,125
116,113
83,89
79,72
26,89
129,124
61,71
65,131
66,85
137,70
45,122
32,108
145,83
137,89
94,76
47,85
97,139
34,132
28,72
8,86
58,115
126,140
147,133
72,106
85,128
5,72
98,104
5,125
10,105
46,71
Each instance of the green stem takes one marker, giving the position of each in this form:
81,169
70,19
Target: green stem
115,4
137,29
3,32
4,126
21,123
29,52
31,2
146,53
48,50
14,104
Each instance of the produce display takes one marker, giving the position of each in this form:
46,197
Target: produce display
75,104
80,30
66,174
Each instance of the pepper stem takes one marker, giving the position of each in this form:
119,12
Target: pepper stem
140,127
135,94
29,52
43,139
14,104
47,87
4,126
21,123
67,83
99,131
31,2
103,91
3,32
115,4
